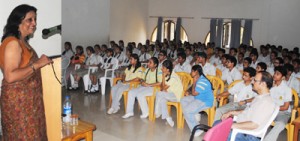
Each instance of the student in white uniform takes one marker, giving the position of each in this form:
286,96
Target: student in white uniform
247,62
232,73
292,81
118,53
156,51
183,65
233,52
90,61
208,68
162,56
261,66
277,62
254,56
171,90
68,53
189,54
214,59
241,90
282,96
296,64
264,56
144,57
132,73
151,77
240,60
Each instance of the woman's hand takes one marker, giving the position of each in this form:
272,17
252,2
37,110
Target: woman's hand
43,61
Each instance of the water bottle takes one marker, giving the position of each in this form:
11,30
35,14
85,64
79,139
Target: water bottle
67,105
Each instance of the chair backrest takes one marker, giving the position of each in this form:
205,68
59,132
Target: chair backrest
219,132
186,80
233,83
295,98
218,73
260,132
92,70
217,84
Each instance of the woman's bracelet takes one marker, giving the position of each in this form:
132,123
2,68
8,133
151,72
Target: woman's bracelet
33,69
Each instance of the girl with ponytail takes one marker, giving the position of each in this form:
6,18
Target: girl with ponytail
171,90
200,98
132,73
152,77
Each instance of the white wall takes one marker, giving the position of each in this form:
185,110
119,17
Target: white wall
48,15
278,20
85,22
129,20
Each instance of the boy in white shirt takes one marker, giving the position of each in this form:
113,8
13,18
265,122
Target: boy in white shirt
282,96
254,56
214,59
264,56
261,66
292,81
208,69
240,60
231,73
188,52
183,65
296,64
241,90
144,57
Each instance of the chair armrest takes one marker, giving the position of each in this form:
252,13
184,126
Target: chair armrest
199,127
293,115
115,80
222,100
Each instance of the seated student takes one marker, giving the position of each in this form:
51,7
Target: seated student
240,60
264,56
132,73
79,57
247,62
261,66
151,77
282,96
172,52
171,90
144,57
273,56
103,49
68,53
292,81
157,50
108,62
200,98
125,63
183,65
79,73
118,53
214,58
98,53
231,73
233,52
223,66
254,116
162,56
277,62
194,60
296,64
189,54
287,59
254,56
241,90
208,68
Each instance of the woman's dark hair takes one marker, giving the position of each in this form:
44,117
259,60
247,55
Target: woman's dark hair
91,49
169,65
80,48
14,20
155,61
138,63
198,68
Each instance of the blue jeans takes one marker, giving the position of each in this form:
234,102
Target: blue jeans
239,136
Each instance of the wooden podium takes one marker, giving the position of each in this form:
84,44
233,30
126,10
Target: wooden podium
52,99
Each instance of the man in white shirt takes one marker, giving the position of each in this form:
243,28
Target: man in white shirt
296,64
242,92
282,96
254,116
261,66
254,56
264,56
223,65
188,52
277,62
240,60
208,69
214,59
292,81
232,73
183,65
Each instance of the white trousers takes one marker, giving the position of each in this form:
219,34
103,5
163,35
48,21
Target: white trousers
117,92
140,93
161,107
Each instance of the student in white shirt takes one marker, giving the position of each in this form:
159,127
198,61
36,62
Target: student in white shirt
90,61
215,58
126,61
296,64
156,51
183,65
282,96
103,49
162,56
144,57
189,54
247,62
240,60
273,56
68,53
208,68
172,54
261,66
277,62
98,54
264,56
118,54
231,73
151,77
233,52
292,81
241,90
254,56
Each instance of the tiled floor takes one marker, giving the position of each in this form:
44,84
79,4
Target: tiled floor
93,108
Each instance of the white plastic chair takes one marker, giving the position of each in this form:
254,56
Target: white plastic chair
65,62
86,78
260,132
103,79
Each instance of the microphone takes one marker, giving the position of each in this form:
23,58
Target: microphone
50,30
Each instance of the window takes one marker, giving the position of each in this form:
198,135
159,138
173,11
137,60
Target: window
227,35
168,32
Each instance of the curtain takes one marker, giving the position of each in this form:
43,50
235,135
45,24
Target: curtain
235,33
218,41
178,29
159,28
247,32
213,23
